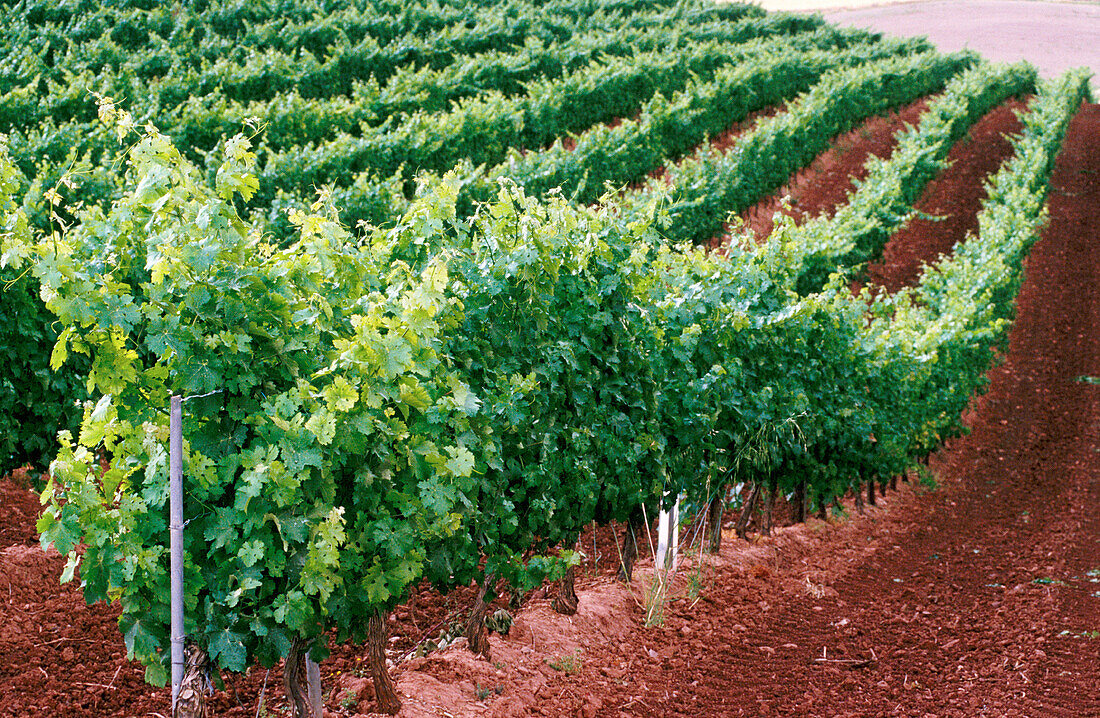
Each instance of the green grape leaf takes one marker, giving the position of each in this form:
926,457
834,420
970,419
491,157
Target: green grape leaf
227,649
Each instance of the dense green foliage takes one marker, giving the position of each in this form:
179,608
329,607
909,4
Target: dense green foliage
883,202
347,93
706,188
482,129
668,128
170,292
462,386
329,91
35,403
963,305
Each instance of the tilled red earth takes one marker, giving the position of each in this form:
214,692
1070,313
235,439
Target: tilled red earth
826,183
979,599
948,209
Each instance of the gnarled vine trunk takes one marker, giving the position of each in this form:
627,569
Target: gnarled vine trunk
294,680
384,689
742,528
191,702
769,510
476,634
630,544
714,521
799,508
565,602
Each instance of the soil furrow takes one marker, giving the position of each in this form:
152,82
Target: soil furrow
826,183
948,207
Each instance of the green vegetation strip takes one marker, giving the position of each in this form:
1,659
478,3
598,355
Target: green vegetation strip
883,202
197,112
990,270
667,128
935,341
329,44
706,188
51,76
482,129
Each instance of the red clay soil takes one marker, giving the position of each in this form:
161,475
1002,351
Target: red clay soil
60,657
826,183
19,510
978,599
948,209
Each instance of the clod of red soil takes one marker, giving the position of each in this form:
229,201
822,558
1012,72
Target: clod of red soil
19,510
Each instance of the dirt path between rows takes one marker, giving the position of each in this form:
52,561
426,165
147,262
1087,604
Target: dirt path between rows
948,209
825,184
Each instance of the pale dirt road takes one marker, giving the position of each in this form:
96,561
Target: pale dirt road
1053,36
